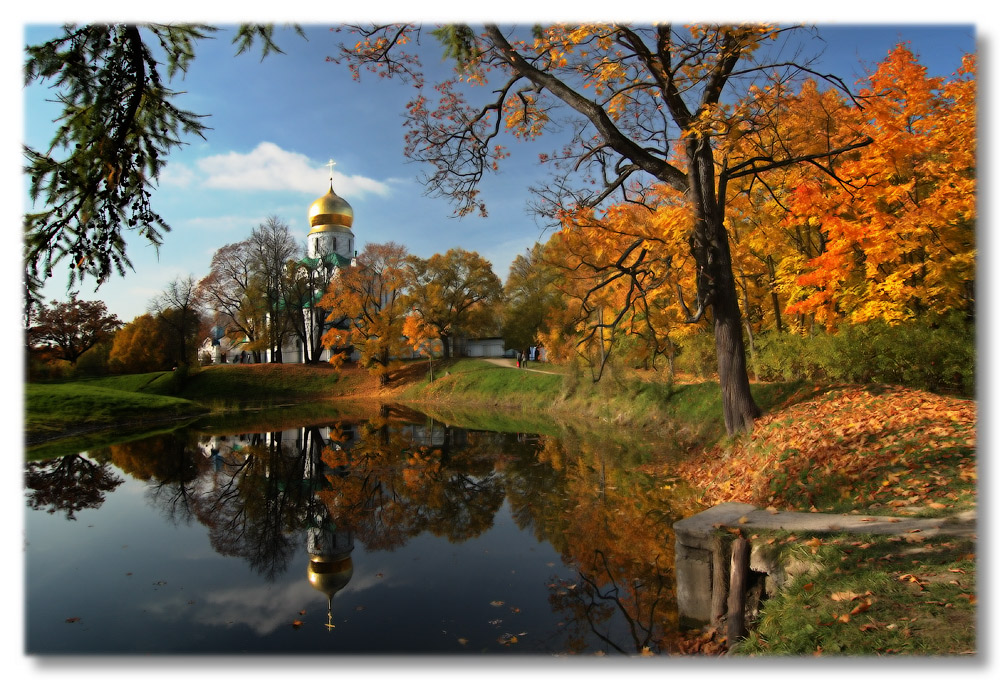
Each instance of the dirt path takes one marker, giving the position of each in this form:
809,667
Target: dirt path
512,363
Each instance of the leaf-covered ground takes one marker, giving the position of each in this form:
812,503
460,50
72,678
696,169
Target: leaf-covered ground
873,449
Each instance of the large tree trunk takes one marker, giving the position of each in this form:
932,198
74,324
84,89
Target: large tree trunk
314,331
717,288
738,406
383,376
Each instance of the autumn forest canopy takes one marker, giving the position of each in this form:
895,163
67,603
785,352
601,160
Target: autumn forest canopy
885,232
713,199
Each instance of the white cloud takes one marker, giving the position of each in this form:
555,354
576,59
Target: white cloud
177,175
270,168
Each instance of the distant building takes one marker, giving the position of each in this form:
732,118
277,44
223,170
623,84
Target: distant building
330,247
481,347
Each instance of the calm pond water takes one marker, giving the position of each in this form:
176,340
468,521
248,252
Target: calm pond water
381,535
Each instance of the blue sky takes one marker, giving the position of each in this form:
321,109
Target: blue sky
275,123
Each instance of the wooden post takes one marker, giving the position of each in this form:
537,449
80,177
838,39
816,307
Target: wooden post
720,576
739,570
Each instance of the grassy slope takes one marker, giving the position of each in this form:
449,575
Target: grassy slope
858,449
874,449
51,408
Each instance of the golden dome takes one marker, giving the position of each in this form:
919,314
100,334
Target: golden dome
330,213
330,576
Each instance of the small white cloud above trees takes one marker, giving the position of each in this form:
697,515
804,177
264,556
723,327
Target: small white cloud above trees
270,168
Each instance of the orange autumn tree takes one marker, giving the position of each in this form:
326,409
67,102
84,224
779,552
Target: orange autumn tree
369,300
904,245
423,338
643,105
140,346
770,240
534,309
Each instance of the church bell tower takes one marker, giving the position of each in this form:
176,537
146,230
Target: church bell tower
330,221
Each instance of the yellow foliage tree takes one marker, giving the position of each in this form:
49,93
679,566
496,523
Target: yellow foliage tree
647,107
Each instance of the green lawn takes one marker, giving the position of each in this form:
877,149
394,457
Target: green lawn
53,408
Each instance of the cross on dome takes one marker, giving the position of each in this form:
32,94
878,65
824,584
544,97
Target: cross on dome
330,165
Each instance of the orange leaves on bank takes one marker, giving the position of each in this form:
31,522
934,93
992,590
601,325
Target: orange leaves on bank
879,437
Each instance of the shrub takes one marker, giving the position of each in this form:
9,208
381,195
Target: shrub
696,355
934,354
47,369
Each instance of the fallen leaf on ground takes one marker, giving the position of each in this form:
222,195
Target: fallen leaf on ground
844,596
863,606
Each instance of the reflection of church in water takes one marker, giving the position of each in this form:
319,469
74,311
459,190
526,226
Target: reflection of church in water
330,564
329,544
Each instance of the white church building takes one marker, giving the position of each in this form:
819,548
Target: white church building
330,247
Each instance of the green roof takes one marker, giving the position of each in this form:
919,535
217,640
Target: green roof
330,259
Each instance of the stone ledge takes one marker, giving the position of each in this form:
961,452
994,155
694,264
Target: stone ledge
699,527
